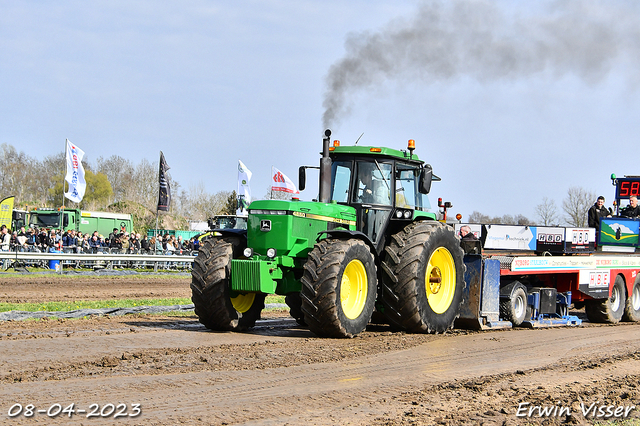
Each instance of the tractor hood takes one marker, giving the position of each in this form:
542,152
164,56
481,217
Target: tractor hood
292,227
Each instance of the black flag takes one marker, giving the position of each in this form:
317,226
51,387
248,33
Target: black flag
164,194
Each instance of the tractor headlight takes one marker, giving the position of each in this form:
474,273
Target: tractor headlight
407,214
399,214
271,253
248,252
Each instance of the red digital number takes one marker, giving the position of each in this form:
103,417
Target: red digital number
629,188
624,189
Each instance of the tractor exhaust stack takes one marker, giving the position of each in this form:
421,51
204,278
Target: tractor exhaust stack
325,170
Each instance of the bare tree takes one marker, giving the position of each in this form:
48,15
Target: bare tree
576,205
145,184
14,172
507,219
119,172
522,220
477,217
52,172
547,212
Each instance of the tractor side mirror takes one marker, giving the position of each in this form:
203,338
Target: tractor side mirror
302,178
426,176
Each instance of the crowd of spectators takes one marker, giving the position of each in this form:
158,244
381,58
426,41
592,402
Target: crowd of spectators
118,241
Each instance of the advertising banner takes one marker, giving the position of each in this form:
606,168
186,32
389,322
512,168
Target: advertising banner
550,239
510,237
619,231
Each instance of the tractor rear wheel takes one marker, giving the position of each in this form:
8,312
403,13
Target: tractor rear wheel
339,288
210,288
632,308
608,310
423,278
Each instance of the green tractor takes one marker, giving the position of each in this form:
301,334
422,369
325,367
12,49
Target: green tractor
368,244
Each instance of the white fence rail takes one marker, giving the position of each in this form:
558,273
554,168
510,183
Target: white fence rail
95,260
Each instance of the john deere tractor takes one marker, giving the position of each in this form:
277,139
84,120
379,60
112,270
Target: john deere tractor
369,243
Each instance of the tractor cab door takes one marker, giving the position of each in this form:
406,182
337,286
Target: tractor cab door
372,197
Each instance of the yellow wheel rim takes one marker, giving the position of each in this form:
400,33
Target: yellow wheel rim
353,289
243,302
440,280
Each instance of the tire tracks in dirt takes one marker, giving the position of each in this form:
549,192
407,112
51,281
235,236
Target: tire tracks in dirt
359,390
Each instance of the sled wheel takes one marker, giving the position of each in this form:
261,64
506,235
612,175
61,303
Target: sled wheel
611,309
632,307
339,288
216,306
514,308
294,301
423,278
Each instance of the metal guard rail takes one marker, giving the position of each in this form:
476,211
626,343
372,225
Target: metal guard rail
108,258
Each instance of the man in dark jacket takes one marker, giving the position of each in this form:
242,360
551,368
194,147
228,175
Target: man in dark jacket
632,210
466,234
597,211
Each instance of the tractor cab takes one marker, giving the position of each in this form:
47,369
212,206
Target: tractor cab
386,187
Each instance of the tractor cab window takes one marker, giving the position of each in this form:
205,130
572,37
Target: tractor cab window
406,186
340,176
373,183
407,194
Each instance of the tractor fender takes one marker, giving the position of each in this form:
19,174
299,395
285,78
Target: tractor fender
347,234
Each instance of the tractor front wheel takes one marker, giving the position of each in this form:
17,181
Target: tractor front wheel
339,288
216,306
423,278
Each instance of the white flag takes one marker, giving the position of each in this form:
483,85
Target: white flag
280,182
75,173
244,192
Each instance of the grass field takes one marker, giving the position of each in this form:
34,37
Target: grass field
99,304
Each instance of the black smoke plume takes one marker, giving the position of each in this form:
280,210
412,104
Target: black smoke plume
478,39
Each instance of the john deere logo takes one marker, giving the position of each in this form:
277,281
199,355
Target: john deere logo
244,182
265,225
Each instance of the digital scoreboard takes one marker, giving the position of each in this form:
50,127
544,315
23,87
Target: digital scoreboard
627,187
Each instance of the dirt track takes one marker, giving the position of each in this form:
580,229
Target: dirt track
279,373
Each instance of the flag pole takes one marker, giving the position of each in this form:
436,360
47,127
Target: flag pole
66,164
158,210
155,233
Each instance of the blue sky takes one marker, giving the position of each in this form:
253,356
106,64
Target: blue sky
211,82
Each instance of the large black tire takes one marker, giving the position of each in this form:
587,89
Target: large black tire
210,291
608,310
514,308
632,307
339,288
423,278
294,301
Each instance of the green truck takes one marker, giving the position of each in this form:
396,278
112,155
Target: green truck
368,244
80,220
